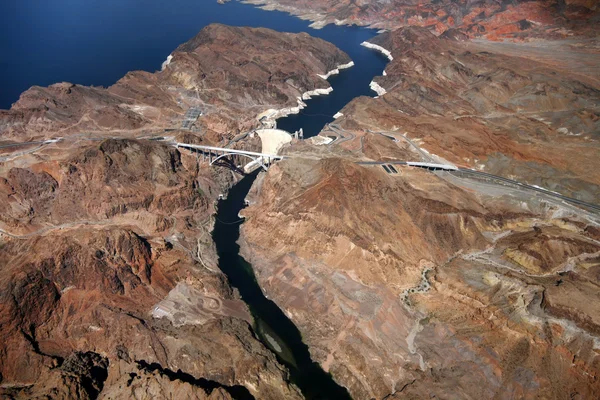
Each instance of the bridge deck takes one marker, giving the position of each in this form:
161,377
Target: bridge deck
224,150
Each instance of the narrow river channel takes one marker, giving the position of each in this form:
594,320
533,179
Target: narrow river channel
272,326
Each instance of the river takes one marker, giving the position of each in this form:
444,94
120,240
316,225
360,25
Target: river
271,324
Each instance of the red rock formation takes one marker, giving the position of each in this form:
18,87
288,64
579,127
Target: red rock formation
91,252
517,110
109,285
490,19
440,286
446,287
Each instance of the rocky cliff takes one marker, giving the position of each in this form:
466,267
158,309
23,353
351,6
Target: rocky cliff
404,285
110,286
526,111
436,285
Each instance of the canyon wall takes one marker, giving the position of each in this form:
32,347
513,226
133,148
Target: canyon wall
490,19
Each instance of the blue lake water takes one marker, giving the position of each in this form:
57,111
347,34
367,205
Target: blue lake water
96,42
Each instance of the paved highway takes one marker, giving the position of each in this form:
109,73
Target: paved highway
485,175
395,135
222,150
431,165
343,135
39,145
499,179
48,141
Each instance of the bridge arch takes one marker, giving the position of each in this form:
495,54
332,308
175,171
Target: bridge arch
240,154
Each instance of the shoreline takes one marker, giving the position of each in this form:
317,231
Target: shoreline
336,70
377,88
270,116
378,48
317,20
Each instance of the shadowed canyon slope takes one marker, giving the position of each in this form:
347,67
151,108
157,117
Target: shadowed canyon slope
434,285
425,289
232,74
403,283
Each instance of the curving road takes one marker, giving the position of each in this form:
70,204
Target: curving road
460,172
343,135
521,185
473,173
426,157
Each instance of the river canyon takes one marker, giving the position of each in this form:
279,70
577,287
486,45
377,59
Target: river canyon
435,234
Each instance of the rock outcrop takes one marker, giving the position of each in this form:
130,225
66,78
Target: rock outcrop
404,284
97,250
523,111
436,285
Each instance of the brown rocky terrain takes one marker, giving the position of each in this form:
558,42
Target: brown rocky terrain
92,247
109,283
490,19
433,285
232,74
525,111
408,285
428,287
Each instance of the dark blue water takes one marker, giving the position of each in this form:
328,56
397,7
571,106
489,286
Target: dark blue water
269,319
96,42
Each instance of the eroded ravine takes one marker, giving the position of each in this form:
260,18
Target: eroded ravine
275,330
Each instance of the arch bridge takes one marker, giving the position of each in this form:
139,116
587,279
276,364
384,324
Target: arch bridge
223,156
